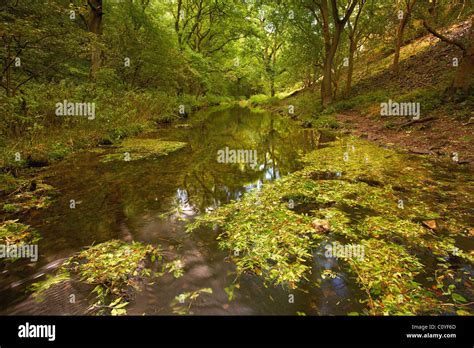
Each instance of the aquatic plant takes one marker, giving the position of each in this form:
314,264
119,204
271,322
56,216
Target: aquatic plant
350,199
114,268
14,233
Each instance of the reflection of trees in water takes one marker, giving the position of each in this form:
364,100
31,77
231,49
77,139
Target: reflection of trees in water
206,189
280,144
270,138
277,141
116,196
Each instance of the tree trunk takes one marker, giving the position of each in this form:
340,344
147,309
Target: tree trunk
176,25
350,68
401,29
464,78
399,43
336,87
95,26
8,72
326,86
331,43
272,85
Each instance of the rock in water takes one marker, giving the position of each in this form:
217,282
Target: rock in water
321,226
32,186
38,160
431,224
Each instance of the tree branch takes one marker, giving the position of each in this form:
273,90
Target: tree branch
442,37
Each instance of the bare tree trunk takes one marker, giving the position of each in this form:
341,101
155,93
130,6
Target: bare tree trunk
336,88
326,87
95,26
331,42
176,24
350,68
464,78
326,84
273,72
400,32
354,37
399,43
8,72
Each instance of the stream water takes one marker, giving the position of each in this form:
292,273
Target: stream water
151,200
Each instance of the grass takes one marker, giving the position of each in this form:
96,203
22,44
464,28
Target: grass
262,99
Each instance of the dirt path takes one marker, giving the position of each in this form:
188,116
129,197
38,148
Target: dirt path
440,136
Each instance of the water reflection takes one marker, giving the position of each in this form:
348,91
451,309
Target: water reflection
133,201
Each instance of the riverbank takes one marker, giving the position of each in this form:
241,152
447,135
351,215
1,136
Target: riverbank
445,126
34,136
445,131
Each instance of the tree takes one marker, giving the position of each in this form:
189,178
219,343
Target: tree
272,25
404,17
355,33
95,27
328,17
38,43
304,52
207,26
464,78
140,49
207,33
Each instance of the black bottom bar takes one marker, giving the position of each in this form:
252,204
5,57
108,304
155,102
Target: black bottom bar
224,331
